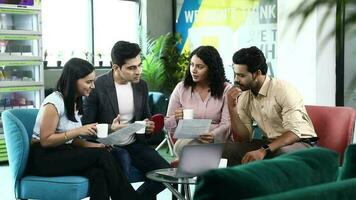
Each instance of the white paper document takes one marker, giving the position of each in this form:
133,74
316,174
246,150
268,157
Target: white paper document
118,135
192,128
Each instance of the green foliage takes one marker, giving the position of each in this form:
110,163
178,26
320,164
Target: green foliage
307,7
153,72
163,65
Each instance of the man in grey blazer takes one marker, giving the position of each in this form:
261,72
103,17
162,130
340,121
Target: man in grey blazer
121,95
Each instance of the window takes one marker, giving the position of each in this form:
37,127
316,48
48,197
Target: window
67,28
113,21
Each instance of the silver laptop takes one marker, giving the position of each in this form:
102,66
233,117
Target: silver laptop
195,160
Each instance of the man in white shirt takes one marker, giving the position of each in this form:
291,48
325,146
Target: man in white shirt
120,94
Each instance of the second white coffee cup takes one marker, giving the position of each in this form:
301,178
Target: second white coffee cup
143,130
188,114
102,130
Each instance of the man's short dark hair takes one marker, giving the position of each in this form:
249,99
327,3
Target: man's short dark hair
253,58
123,50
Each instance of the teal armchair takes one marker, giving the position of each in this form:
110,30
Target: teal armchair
18,127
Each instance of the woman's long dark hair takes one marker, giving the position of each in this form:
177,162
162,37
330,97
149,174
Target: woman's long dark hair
216,73
73,70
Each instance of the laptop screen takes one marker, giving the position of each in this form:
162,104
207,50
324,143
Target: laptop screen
197,159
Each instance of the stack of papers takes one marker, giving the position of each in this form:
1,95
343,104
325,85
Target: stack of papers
118,135
192,128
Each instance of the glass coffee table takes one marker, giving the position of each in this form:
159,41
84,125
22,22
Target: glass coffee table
170,183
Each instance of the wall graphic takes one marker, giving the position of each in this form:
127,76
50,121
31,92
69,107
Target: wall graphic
230,25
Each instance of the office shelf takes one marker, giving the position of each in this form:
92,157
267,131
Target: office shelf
21,68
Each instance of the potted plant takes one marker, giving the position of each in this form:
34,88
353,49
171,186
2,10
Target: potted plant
72,54
153,72
59,58
86,55
163,65
100,61
45,62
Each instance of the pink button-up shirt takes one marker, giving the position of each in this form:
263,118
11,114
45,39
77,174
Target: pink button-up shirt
211,108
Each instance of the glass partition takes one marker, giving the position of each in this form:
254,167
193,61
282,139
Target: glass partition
350,61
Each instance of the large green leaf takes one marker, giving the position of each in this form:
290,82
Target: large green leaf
163,65
153,73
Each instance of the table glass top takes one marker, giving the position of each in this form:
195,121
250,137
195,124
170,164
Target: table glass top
157,175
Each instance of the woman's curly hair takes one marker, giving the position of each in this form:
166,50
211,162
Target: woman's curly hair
216,73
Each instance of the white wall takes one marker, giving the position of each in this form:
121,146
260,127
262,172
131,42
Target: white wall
51,76
304,58
157,17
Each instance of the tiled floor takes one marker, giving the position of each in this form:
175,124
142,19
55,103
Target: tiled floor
6,190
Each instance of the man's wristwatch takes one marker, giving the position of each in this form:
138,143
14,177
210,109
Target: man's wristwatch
267,149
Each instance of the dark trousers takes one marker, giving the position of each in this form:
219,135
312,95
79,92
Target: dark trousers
123,157
145,159
97,164
234,152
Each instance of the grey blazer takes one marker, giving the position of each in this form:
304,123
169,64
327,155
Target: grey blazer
101,105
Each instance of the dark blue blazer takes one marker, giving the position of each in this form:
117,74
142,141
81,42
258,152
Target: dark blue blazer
101,105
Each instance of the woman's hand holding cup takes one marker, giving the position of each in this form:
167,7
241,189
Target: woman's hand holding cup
178,114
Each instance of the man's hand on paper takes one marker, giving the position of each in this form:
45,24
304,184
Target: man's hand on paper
116,124
150,126
206,138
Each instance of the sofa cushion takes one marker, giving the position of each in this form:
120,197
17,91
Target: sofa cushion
328,191
290,171
348,169
57,188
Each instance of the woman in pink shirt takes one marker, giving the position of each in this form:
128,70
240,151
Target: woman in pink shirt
204,90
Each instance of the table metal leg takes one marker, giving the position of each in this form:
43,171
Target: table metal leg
174,191
182,191
187,191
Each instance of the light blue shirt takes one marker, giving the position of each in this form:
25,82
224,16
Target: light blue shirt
64,124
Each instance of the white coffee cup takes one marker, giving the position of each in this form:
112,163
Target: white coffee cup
143,130
102,130
223,163
188,114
